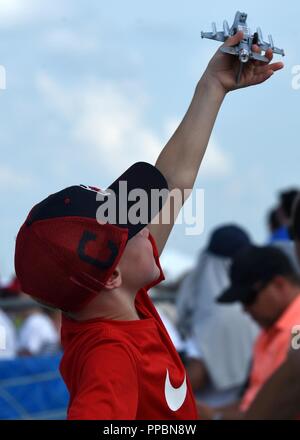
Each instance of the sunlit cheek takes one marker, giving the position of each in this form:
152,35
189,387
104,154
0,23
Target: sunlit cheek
139,261
147,264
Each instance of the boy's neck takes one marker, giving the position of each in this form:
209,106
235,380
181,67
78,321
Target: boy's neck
117,305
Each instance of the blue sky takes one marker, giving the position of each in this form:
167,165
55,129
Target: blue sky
93,86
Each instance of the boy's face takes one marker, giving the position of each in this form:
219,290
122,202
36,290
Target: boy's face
137,264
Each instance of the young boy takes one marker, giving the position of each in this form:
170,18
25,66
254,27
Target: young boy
119,362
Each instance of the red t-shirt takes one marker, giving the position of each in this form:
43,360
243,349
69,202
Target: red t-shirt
125,369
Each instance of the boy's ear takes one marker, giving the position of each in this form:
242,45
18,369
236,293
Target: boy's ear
115,280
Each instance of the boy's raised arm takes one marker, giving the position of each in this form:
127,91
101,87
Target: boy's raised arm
180,159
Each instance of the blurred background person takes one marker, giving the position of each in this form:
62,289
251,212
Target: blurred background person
280,217
173,332
8,336
8,342
39,332
279,224
265,282
286,201
11,289
276,228
219,339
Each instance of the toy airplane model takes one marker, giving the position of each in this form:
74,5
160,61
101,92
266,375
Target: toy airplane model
244,49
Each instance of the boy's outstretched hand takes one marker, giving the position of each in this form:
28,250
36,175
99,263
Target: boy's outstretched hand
180,159
223,68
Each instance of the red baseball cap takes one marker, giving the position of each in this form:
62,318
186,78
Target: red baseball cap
63,255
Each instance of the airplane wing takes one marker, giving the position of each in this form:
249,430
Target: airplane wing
264,45
218,36
215,35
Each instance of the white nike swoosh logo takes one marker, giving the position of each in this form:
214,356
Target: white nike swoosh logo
175,396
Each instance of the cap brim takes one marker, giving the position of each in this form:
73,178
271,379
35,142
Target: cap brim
82,201
233,294
143,177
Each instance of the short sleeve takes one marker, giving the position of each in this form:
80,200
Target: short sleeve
107,386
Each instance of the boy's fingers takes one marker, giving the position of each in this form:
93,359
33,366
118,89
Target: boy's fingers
276,66
256,48
268,67
263,76
235,39
269,54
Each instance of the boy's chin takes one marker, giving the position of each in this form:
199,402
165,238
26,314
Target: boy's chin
156,274
153,277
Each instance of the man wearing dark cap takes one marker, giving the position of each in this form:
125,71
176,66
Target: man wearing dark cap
279,398
265,282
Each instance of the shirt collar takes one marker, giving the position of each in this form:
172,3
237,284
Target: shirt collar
291,315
